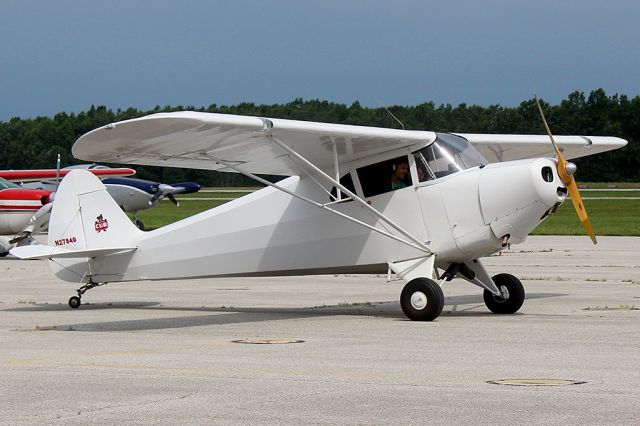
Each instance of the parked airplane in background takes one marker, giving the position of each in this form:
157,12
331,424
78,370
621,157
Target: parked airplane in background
426,206
43,177
25,207
132,195
25,211
22,212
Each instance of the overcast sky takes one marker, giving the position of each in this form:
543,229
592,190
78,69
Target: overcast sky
67,55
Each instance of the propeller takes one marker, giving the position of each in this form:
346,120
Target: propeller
173,199
566,170
163,190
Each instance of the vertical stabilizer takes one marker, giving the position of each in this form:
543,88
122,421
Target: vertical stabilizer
90,238
85,217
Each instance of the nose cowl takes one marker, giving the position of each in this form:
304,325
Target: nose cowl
515,196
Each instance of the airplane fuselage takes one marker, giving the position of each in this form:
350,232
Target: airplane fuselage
462,216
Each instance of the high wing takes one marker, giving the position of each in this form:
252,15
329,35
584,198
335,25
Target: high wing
197,140
216,141
497,148
49,174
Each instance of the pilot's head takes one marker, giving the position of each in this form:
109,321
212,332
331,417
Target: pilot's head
401,169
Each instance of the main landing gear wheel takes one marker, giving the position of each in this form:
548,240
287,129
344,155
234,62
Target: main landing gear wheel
512,295
74,302
422,300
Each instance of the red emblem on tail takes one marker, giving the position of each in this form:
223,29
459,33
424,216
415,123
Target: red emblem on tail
101,224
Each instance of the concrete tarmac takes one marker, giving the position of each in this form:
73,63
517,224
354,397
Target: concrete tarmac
164,352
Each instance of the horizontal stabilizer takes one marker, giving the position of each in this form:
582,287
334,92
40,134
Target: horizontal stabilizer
51,252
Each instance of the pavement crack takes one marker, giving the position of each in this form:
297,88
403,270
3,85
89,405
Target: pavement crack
127,405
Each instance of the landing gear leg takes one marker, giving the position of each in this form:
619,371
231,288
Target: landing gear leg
75,301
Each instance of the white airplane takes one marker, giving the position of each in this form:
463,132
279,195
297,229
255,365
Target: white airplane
422,205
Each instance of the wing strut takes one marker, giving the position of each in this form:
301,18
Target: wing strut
336,168
339,187
419,246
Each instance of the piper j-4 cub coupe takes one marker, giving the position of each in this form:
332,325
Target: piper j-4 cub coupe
425,206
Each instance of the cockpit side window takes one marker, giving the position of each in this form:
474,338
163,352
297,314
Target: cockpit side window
385,176
448,154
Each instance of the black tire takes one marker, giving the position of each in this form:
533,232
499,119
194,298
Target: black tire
500,305
74,302
4,254
139,224
418,288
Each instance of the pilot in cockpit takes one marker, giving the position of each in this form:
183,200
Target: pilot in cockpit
399,175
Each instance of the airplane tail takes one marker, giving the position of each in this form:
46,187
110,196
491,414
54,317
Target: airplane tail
85,223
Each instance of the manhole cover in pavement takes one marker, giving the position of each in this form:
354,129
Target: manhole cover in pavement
263,341
535,382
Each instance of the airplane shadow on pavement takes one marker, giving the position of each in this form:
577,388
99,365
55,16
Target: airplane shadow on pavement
211,316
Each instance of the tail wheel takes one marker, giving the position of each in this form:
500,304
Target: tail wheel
422,300
74,302
512,295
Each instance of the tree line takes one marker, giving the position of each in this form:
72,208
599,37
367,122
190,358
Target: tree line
35,142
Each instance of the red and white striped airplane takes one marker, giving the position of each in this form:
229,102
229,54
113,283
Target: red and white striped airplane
23,211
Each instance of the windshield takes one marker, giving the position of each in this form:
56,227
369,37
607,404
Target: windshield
4,184
448,154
